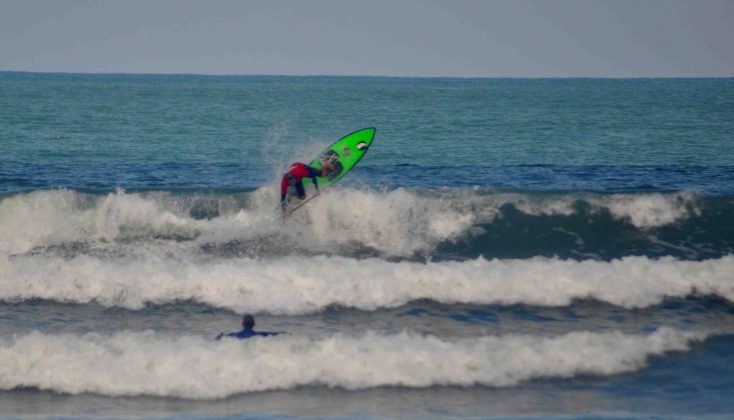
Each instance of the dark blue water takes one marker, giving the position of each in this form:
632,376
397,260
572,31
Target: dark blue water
542,248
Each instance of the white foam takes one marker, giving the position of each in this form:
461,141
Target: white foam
295,285
43,218
648,210
644,211
148,363
398,222
391,222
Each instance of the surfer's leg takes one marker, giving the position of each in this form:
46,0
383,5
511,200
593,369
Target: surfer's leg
299,190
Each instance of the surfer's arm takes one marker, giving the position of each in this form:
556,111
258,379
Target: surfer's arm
313,173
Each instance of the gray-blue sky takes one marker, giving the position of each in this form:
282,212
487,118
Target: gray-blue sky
507,38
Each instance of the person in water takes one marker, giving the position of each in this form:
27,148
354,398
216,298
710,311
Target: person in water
248,323
294,177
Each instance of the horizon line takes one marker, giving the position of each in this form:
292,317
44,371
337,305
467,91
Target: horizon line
350,75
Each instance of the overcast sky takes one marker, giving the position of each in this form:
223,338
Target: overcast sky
503,38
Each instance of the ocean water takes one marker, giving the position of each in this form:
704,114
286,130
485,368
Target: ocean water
538,248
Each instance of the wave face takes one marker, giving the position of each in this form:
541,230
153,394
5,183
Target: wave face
149,363
401,223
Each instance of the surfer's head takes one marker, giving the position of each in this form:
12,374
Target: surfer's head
248,322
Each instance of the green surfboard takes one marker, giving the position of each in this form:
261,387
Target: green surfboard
344,155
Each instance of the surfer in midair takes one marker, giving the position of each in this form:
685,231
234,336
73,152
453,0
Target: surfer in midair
294,175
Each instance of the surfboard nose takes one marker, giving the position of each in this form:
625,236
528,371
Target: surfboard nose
364,135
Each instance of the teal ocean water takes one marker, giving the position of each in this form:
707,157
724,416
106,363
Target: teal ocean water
508,247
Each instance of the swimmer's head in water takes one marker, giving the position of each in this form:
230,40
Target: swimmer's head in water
248,322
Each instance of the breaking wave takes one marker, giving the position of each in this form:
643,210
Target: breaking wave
395,224
297,284
148,363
